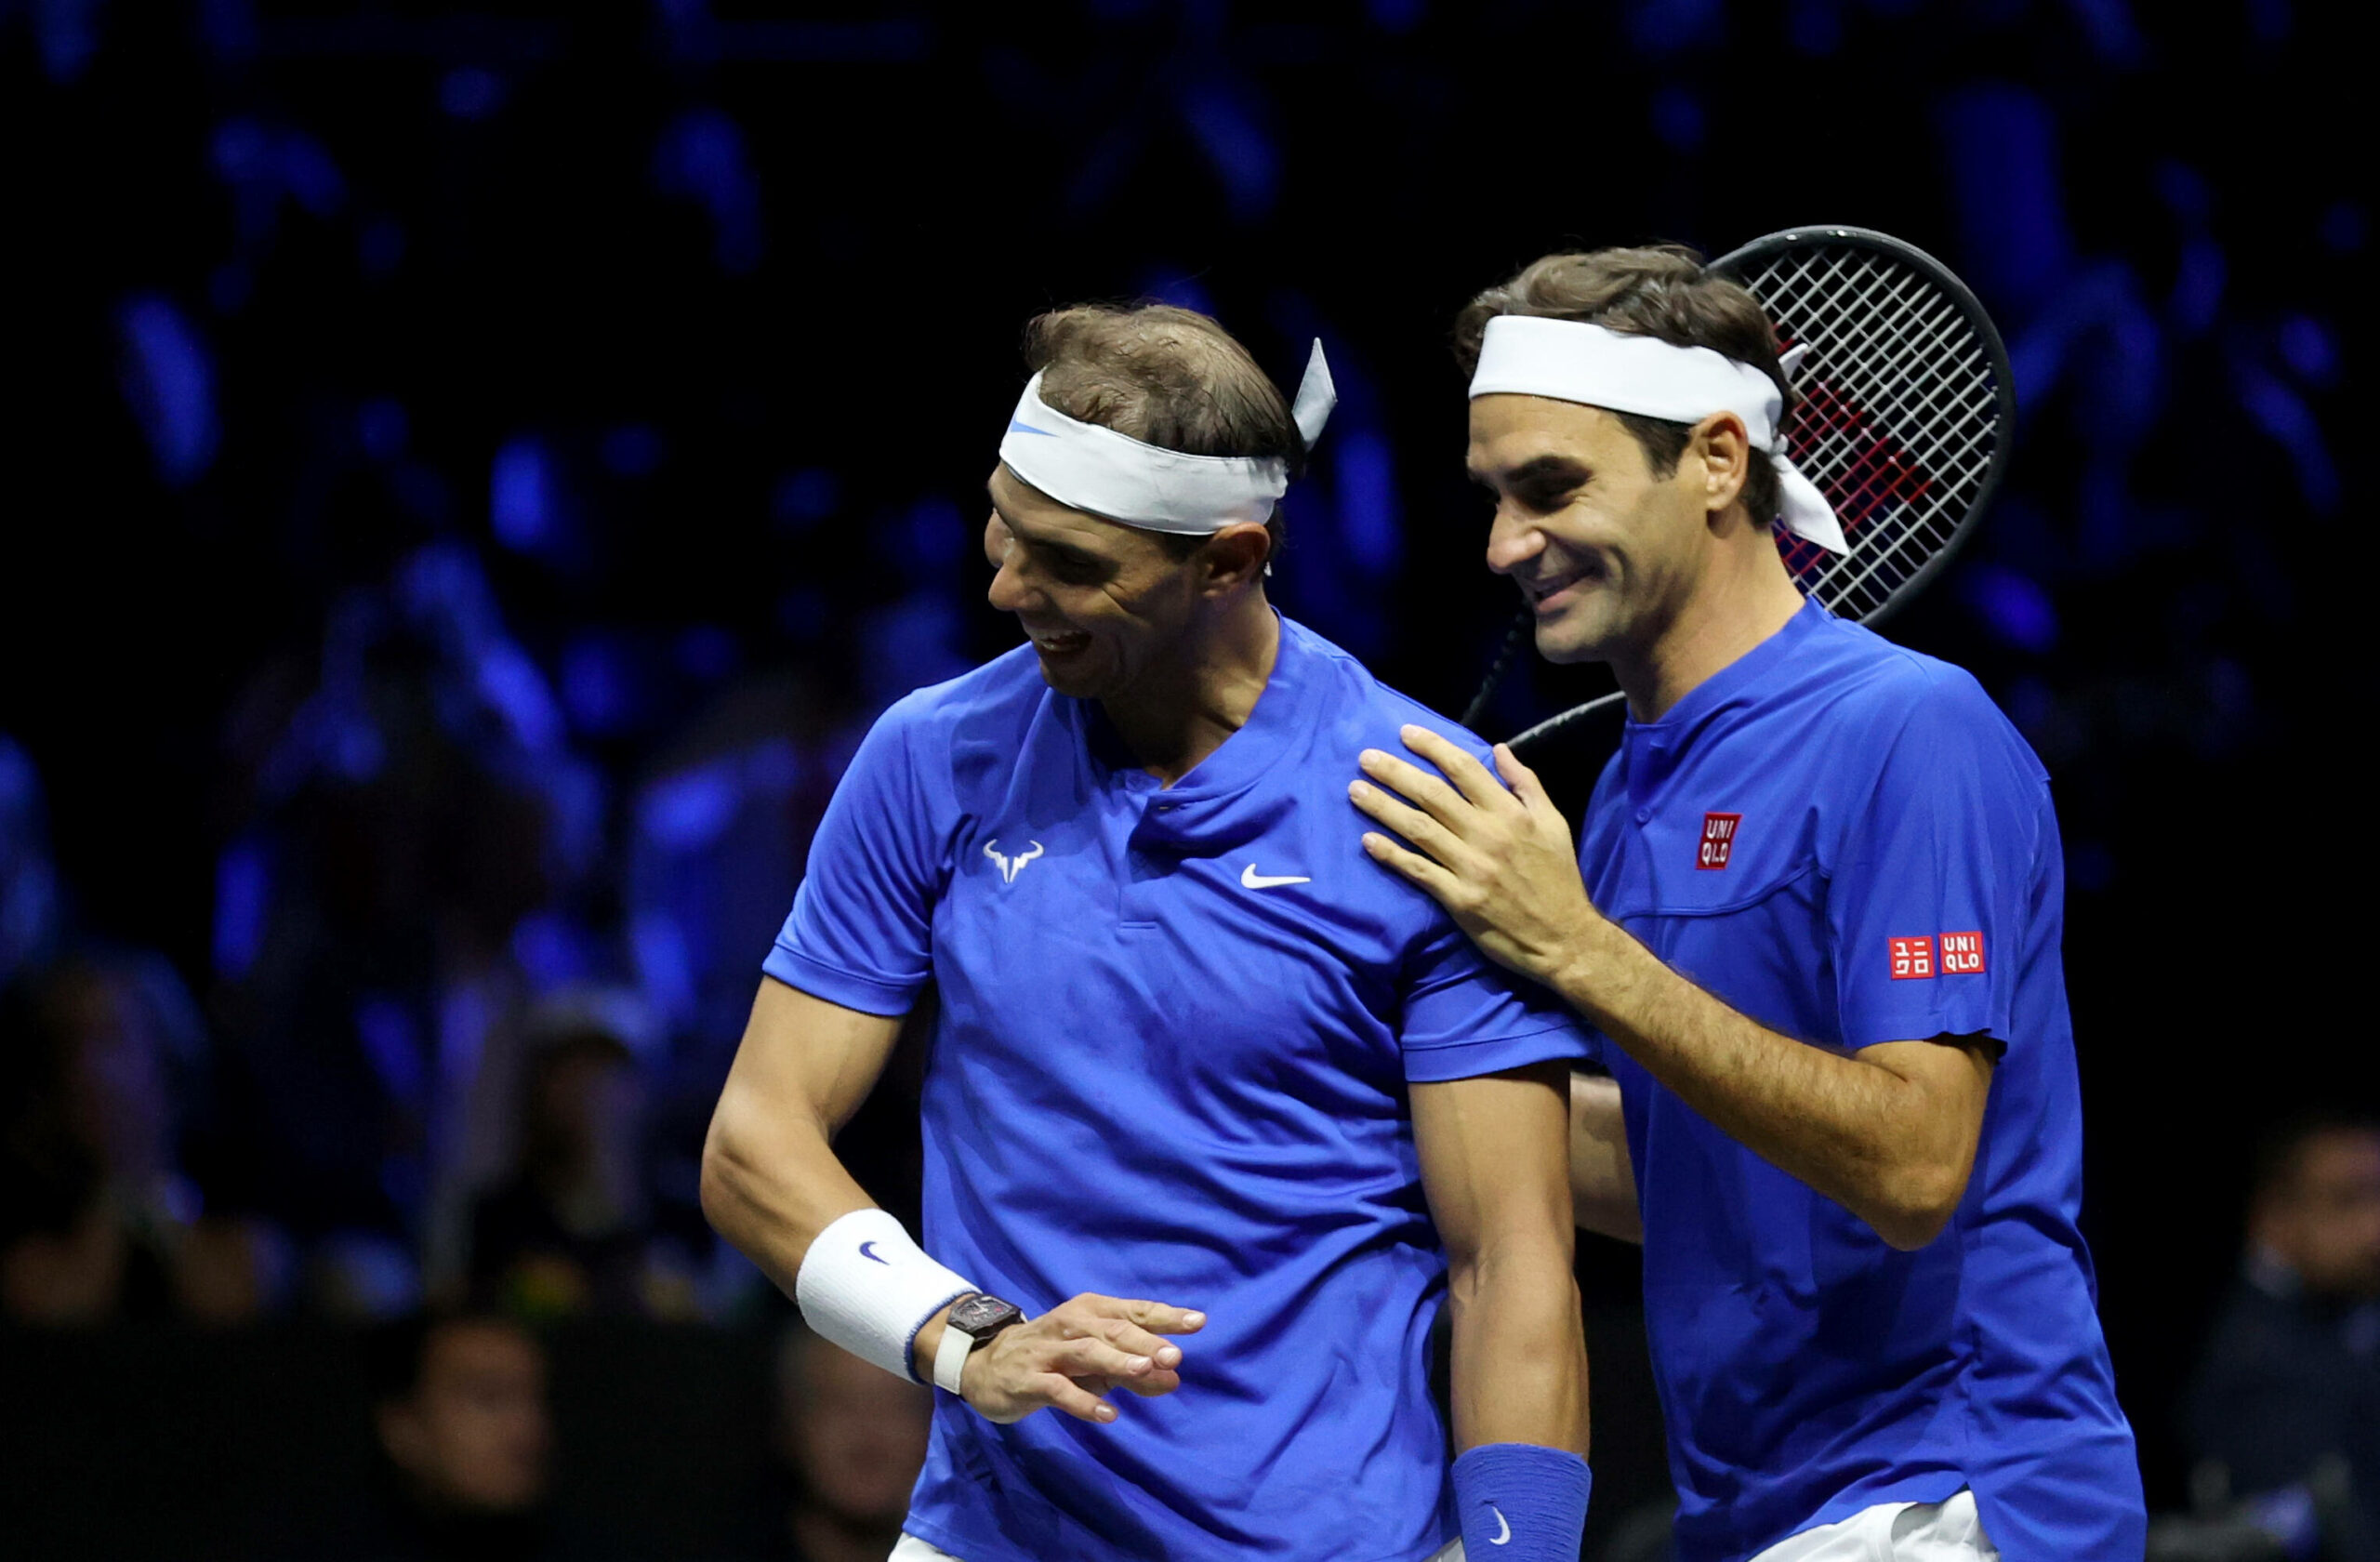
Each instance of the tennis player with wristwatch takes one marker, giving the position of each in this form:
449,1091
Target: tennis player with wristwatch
1215,1113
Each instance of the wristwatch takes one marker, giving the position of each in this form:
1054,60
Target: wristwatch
973,1322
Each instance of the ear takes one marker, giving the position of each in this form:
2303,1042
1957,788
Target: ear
1234,558
1724,448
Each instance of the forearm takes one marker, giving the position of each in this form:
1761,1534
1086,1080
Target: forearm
770,1183
1852,1129
1519,1361
1603,1182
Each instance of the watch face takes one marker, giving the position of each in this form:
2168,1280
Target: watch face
980,1314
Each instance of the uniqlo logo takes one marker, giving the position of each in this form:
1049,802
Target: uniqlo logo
1961,954
1913,957
1718,840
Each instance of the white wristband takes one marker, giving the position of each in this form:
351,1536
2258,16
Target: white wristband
867,1288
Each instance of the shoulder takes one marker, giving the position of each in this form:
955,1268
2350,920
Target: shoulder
945,733
1010,685
1884,700
1365,712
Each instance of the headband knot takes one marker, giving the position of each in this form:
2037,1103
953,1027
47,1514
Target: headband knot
1094,468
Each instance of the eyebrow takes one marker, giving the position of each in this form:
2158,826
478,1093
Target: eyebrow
1052,544
1537,470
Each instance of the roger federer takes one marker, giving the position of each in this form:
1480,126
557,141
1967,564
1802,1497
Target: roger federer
1216,1113
1818,929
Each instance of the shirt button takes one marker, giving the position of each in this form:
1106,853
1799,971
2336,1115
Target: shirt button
1643,814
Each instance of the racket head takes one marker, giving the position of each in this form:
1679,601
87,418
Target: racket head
1904,414
1904,410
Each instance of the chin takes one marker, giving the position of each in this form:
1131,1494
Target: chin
1565,640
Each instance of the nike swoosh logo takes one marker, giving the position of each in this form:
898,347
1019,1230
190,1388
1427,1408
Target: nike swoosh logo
1251,880
1016,428
1506,1537
865,1253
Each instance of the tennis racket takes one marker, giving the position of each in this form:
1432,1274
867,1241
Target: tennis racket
1904,411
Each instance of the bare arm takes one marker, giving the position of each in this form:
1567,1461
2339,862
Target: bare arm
1603,1182
1492,1156
1889,1131
771,1181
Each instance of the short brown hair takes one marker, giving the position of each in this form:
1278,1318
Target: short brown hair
1166,376
1657,290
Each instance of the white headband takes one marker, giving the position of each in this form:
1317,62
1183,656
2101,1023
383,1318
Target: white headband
1573,360
1098,470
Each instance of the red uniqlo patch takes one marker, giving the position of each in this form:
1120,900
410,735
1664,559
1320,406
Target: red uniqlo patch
1961,954
1913,957
1718,840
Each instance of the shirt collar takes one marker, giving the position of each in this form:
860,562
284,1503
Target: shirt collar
1740,682
1278,725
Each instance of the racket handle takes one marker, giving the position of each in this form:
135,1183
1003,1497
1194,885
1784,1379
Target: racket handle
1478,709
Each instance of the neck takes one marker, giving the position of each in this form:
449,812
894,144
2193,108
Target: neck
1181,710
1745,597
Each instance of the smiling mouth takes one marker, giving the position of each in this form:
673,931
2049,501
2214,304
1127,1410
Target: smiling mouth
1545,590
1060,643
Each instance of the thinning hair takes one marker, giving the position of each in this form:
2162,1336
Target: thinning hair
1656,290
1166,376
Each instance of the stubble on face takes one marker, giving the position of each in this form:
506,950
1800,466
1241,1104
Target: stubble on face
1602,549
1100,601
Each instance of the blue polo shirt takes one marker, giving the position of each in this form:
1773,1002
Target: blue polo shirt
1848,843
1175,1033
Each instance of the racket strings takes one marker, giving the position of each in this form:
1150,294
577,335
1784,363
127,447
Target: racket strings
1898,422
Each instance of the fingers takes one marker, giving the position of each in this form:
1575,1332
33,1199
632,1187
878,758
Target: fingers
1096,1357
1481,789
1523,780
1410,823
1157,1317
1427,792
1064,1393
1432,878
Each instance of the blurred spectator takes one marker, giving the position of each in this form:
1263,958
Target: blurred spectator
571,1229
460,1406
2284,1413
852,1441
28,880
100,1221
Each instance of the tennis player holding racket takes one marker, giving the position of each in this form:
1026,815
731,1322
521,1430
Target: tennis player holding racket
1815,917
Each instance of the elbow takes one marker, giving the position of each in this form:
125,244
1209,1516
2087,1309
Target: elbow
723,1179
1916,1204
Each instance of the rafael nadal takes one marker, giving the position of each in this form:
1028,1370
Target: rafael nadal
1815,917
1216,1113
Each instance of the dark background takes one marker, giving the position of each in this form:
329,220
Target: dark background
633,372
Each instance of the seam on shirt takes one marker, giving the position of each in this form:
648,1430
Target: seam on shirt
1485,1040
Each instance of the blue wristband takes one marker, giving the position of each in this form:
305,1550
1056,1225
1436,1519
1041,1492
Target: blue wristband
1520,1502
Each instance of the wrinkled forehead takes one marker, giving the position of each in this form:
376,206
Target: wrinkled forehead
1511,432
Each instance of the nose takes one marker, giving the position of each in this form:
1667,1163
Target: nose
1007,593
1513,538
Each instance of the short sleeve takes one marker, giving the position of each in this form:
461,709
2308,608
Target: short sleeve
1933,882
862,928
1465,1015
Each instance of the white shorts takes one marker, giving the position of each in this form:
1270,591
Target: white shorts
912,1549
1947,1531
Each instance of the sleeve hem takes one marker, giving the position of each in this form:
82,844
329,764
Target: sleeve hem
1435,1062
1875,1033
869,994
